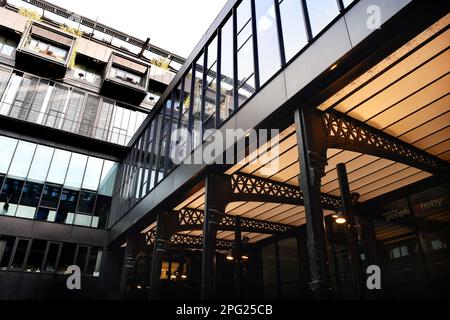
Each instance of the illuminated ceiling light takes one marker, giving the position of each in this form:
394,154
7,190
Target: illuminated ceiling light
335,216
244,257
341,220
230,255
139,287
183,276
334,66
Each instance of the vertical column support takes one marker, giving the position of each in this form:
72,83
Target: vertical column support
311,140
128,263
237,259
164,230
347,207
215,205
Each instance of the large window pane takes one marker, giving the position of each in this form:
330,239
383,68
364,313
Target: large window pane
293,25
56,108
74,107
58,167
22,160
197,107
67,206
76,171
41,164
40,102
268,43
226,68
321,13
92,174
10,94
24,98
9,198
20,254
34,263
49,203
108,178
7,147
30,200
4,77
53,251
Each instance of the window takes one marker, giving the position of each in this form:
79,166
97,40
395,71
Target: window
226,70
49,203
246,79
4,78
73,111
22,160
268,42
30,200
197,106
41,164
126,76
23,101
58,167
75,172
211,86
293,25
36,256
321,13
7,147
20,253
7,46
67,257
88,118
56,107
6,249
46,49
53,252
92,175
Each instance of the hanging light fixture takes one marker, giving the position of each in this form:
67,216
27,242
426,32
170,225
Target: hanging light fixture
244,257
340,218
230,255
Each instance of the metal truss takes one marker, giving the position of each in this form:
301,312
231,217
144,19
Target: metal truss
182,241
346,133
191,219
250,188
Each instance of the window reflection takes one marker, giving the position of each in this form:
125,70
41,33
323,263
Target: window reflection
7,147
293,25
227,73
46,49
267,35
246,80
92,174
22,160
58,167
76,171
321,13
41,164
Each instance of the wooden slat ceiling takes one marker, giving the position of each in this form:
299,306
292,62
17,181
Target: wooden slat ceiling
406,95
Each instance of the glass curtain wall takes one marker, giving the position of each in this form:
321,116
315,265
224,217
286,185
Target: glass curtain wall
48,184
41,101
255,40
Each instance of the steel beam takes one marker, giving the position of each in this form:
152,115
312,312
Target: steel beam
347,133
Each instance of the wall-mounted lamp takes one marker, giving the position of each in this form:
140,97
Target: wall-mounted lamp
230,255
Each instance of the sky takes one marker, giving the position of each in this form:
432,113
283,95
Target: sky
174,25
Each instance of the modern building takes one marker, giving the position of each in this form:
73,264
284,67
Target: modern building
355,95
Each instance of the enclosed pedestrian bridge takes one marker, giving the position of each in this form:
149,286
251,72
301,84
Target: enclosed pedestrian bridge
341,84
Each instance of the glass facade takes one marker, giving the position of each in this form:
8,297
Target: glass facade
47,184
256,39
55,105
41,256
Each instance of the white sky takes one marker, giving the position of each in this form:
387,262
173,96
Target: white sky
174,25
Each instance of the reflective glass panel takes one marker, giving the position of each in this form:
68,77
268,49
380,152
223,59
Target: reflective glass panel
76,171
22,160
293,25
41,164
7,147
92,174
321,13
58,168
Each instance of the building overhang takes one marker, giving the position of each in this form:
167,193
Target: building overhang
45,50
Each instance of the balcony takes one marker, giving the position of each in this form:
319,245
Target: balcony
45,51
125,79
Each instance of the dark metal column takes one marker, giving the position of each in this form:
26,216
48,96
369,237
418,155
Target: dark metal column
128,264
237,259
311,140
214,206
347,207
162,236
